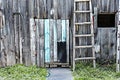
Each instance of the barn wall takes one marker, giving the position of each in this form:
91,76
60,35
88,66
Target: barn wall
106,40
106,5
17,15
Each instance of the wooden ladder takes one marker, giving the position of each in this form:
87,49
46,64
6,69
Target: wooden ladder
118,42
81,35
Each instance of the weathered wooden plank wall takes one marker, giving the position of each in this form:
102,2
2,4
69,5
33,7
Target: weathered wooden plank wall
105,5
17,14
106,39
49,34
37,42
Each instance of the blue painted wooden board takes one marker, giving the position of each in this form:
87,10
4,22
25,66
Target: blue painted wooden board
56,34
63,30
47,41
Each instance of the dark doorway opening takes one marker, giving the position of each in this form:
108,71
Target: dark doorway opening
62,54
106,20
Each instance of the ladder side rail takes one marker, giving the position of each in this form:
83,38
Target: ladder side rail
92,31
74,38
118,42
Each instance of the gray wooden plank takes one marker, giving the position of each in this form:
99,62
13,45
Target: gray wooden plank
67,40
16,35
51,40
15,6
42,44
55,8
45,8
55,41
26,32
11,60
32,40
59,30
37,43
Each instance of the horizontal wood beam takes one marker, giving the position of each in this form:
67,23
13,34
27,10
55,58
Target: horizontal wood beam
84,58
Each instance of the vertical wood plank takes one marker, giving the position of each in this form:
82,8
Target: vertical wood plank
38,8
51,23
16,36
47,41
55,40
95,19
118,43
32,40
42,44
37,43
3,37
45,8
11,60
49,2
64,30
55,5
59,30
67,40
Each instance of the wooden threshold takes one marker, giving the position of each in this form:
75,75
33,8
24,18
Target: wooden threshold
54,64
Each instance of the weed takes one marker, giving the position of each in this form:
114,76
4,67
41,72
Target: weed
21,72
85,71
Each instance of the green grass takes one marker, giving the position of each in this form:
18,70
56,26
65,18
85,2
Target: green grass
21,72
87,72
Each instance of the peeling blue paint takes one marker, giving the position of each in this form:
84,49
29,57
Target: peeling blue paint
47,37
63,31
47,41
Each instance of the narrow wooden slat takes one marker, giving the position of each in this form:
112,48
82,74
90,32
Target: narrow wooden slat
81,0
87,46
2,47
55,4
84,58
16,35
32,40
20,42
51,23
55,40
92,31
42,44
82,11
12,58
83,23
47,41
37,43
118,43
67,40
84,35
74,38
59,31
63,31
58,63
95,19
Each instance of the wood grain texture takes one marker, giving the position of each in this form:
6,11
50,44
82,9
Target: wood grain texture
16,34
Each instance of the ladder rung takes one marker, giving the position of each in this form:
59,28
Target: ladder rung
82,11
81,0
84,35
84,58
87,46
82,23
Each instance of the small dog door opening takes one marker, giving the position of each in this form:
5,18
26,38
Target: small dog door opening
106,20
62,55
